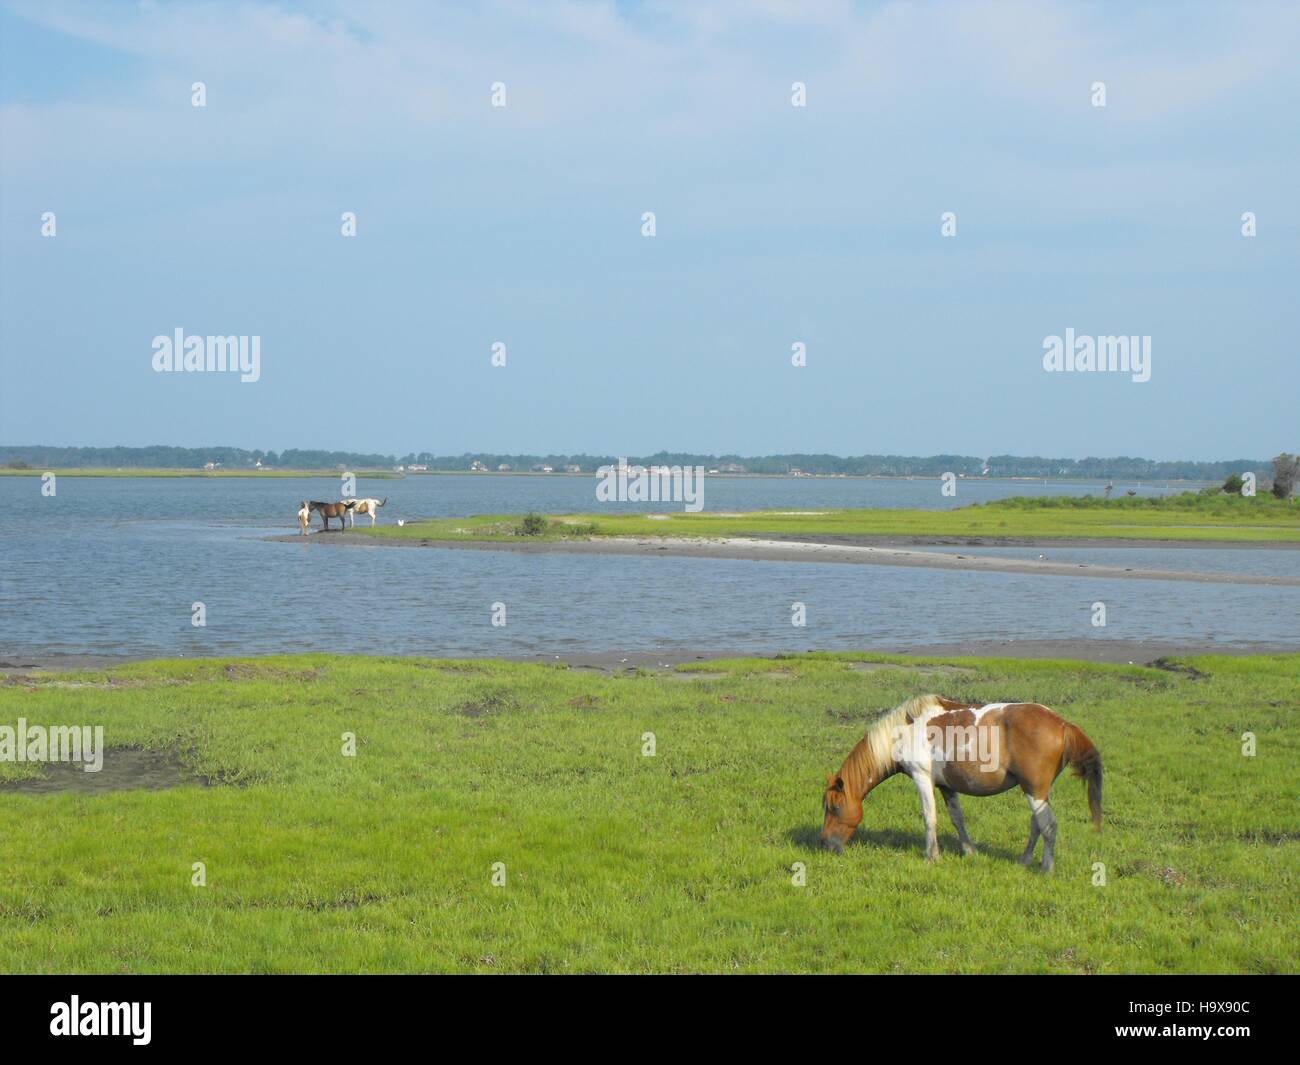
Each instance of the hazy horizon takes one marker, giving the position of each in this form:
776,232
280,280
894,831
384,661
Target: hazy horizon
775,225
1260,460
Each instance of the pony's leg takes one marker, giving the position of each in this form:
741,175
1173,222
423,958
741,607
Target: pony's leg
925,789
958,821
1046,821
1028,856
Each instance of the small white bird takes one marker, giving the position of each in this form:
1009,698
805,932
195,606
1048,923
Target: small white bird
400,522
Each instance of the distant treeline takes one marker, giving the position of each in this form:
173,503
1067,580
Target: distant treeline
234,458
187,458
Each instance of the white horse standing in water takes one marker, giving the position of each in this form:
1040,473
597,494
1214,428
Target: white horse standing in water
304,519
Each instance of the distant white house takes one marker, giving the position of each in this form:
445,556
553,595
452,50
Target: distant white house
212,465
477,467
540,468
503,468
572,467
416,469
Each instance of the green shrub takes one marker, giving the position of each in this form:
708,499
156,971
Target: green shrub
534,524
1286,471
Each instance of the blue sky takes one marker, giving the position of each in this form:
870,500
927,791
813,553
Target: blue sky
775,224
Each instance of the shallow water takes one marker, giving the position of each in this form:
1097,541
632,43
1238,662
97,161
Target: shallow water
1283,562
113,566
273,501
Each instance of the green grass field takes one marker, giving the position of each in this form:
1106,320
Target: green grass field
1190,517
614,861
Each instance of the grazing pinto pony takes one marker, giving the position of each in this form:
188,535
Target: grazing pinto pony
365,506
967,748
330,510
304,519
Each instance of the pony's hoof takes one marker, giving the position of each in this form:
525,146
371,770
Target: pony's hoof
1025,859
967,850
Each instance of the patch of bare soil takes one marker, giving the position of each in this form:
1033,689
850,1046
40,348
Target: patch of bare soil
124,769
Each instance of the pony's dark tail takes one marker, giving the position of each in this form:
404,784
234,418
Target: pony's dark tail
1086,760
385,502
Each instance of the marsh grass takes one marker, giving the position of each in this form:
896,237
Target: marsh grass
618,862
1189,517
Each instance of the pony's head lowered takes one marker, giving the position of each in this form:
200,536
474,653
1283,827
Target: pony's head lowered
842,813
870,762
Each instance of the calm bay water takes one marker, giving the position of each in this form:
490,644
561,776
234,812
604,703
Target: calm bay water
272,501
112,566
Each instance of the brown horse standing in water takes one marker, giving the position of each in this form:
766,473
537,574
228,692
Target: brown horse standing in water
967,748
331,510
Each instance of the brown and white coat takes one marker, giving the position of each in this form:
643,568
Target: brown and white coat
968,749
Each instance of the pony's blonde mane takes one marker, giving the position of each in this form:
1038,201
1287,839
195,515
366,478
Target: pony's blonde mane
873,757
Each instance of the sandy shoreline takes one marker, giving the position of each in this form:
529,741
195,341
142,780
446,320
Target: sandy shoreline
844,550
872,540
